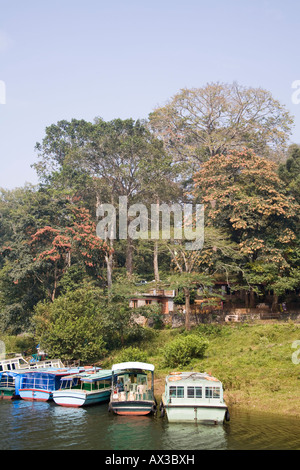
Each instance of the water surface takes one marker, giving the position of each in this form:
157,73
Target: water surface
28,425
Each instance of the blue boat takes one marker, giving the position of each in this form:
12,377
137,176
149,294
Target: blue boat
38,385
10,383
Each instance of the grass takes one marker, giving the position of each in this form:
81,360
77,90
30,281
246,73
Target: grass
254,362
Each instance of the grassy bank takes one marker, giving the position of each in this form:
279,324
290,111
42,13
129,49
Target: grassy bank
254,362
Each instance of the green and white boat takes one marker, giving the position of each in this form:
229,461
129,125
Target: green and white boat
133,389
83,389
194,397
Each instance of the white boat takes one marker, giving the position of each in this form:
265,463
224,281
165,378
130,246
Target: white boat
194,397
133,392
18,362
86,388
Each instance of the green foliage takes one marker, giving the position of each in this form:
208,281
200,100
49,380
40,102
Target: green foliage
180,297
183,349
70,327
131,354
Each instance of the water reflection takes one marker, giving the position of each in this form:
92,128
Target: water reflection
187,436
46,426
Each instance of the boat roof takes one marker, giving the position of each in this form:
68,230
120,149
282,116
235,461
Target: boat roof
191,376
90,376
132,365
53,371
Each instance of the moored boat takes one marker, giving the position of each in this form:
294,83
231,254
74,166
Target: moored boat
10,382
38,385
83,389
194,397
133,389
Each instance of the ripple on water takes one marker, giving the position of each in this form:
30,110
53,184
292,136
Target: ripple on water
46,426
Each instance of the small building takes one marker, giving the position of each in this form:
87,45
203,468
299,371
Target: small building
155,296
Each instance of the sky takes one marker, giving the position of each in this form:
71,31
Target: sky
64,59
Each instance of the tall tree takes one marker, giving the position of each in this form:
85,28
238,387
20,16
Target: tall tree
199,123
244,196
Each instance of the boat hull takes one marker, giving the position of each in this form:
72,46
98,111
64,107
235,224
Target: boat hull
132,408
7,393
196,414
32,394
78,398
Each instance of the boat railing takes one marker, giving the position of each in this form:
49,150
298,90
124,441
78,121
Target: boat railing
7,381
133,395
46,363
13,364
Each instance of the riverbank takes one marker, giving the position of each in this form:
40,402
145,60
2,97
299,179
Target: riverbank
254,362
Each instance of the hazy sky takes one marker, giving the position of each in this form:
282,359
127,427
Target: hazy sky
120,58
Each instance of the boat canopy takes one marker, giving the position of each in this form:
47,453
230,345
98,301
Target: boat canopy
133,365
90,377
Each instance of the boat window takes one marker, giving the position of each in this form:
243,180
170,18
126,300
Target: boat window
142,379
212,392
194,392
176,392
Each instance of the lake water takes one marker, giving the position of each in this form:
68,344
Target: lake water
47,426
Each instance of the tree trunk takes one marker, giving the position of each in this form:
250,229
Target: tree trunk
187,308
129,257
155,261
109,268
246,299
275,303
252,299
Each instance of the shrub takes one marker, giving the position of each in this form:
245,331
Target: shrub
131,354
70,327
182,350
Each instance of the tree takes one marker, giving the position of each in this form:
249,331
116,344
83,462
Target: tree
289,171
116,158
199,123
54,247
70,327
244,196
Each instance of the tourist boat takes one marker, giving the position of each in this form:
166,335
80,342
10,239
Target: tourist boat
39,384
193,397
10,382
12,370
83,389
133,390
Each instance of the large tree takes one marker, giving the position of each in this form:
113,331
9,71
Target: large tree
244,196
199,123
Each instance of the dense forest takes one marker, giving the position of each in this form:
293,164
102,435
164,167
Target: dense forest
224,146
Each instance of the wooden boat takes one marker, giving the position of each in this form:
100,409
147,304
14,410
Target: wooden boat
193,397
39,384
132,392
87,388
